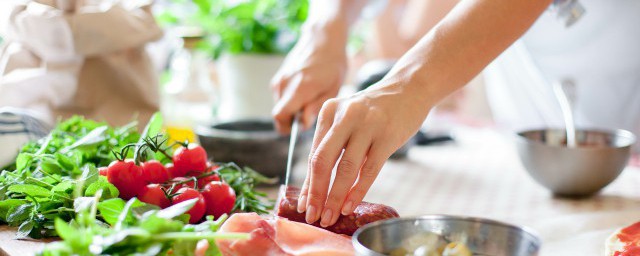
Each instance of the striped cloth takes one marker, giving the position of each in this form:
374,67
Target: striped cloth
16,128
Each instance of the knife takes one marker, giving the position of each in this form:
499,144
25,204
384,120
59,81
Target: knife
293,137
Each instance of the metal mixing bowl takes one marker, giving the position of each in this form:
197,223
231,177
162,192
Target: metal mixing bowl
484,236
574,172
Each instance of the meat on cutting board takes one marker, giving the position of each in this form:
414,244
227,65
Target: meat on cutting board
273,235
364,213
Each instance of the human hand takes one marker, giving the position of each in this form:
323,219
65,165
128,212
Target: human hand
357,134
311,74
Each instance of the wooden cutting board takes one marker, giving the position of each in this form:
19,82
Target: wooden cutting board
11,247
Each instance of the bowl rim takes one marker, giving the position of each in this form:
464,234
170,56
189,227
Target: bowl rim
614,132
208,130
359,247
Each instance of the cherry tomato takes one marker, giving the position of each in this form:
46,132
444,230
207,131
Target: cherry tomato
206,179
154,194
192,159
127,177
180,180
198,209
219,198
103,171
171,170
154,172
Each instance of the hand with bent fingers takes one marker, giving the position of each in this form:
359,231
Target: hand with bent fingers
311,74
365,129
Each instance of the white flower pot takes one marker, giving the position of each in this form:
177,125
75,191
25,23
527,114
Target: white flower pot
244,85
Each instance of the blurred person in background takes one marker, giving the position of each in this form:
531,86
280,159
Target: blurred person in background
60,58
76,57
539,43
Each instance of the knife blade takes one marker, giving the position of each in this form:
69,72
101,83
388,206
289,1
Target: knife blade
293,137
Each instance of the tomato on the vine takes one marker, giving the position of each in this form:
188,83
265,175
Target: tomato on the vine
206,179
197,211
154,194
219,198
127,177
190,159
154,172
103,171
181,182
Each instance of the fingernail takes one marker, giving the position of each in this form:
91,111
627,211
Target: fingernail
326,218
302,203
311,214
346,209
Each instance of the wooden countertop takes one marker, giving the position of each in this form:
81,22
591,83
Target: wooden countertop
480,175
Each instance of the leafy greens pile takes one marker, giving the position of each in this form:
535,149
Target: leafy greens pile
49,173
137,229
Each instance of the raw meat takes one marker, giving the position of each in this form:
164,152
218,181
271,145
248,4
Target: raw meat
347,225
273,235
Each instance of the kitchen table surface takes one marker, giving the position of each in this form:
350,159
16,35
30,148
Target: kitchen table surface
480,175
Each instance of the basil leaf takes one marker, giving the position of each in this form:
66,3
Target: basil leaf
31,190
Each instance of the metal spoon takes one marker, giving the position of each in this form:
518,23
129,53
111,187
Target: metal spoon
559,89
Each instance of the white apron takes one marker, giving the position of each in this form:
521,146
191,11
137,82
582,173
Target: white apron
600,53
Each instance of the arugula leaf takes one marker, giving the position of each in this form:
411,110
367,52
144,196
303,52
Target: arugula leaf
7,204
30,190
108,190
177,209
19,213
95,136
23,160
24,230
83,203
111,209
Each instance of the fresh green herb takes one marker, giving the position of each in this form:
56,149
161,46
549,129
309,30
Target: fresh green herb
51,172
243,181
138,229
253,26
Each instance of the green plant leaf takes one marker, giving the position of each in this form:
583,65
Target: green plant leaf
65,187
177,209
23,161
96,135
31,190
65,231
153,128
108,190
24,229
111,209
83,203
7,204
19,213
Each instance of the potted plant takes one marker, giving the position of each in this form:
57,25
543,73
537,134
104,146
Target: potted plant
249,40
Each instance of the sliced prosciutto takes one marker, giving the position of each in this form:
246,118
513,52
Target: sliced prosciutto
364,213
278,236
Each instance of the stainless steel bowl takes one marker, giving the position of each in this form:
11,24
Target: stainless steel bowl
484,236
574,172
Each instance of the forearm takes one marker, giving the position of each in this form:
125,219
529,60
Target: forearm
461,45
